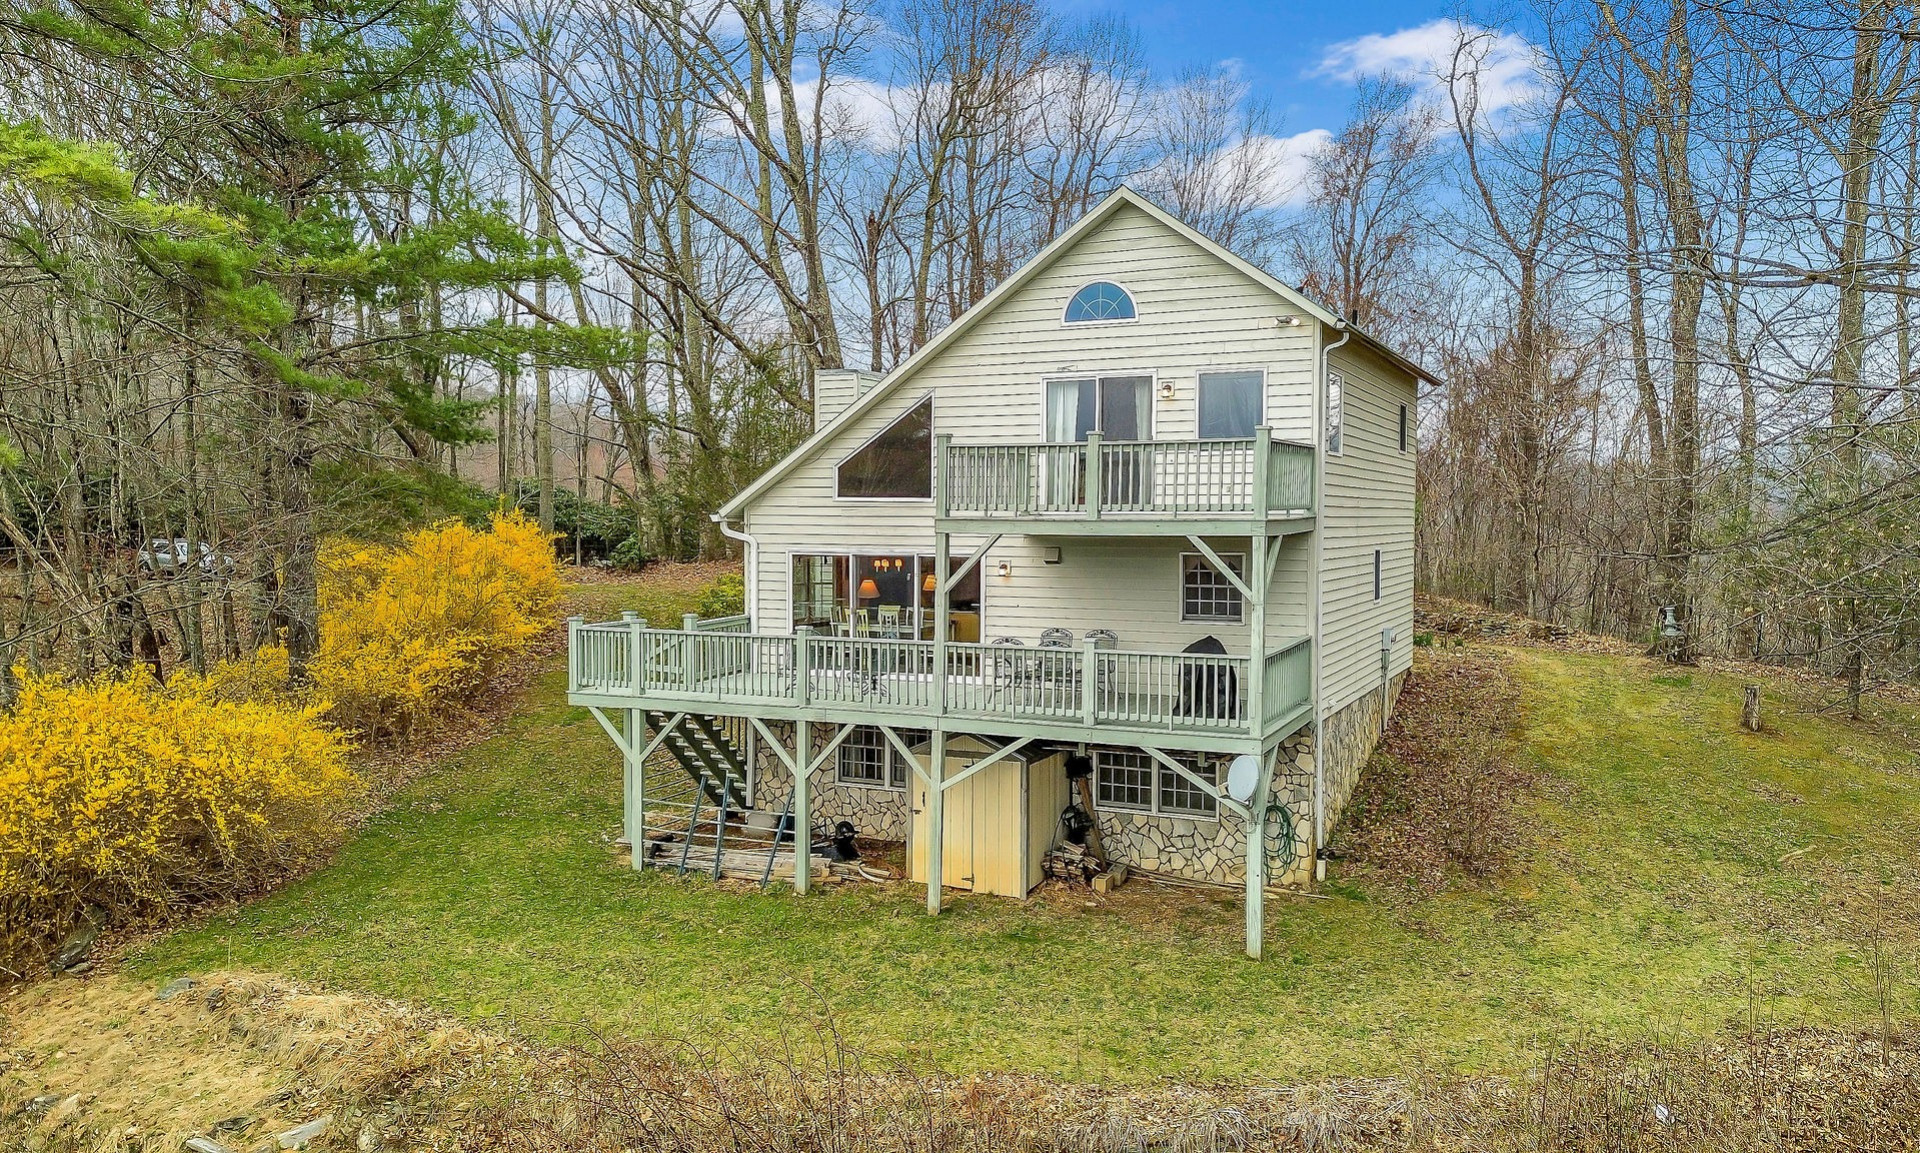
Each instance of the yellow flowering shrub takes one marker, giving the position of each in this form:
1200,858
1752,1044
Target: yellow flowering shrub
406,631
119,793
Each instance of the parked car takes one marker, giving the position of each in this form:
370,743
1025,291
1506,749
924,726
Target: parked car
163,557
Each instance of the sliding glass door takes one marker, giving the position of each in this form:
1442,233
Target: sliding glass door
1121,408
880,595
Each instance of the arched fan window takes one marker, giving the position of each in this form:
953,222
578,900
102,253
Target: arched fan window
1101,300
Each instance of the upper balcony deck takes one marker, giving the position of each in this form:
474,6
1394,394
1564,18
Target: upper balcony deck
1205,487
1169,700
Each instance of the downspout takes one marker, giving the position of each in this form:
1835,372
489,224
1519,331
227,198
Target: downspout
752,567
1319,602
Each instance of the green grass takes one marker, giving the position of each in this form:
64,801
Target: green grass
1655,900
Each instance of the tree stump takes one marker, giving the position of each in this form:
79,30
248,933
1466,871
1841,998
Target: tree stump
1750,711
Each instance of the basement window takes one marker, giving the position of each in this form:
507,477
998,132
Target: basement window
897,464
868,759
1129,780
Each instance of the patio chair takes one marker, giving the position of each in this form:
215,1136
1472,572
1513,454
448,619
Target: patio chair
1056,638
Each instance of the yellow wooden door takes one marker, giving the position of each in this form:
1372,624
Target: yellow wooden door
984,850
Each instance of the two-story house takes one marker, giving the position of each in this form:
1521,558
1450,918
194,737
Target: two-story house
1133,534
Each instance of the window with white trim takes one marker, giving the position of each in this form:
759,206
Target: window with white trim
868,759
1335,386
1123,779
1130,780
1181,797
1207,595
1230,403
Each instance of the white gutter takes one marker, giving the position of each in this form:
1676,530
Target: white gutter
1319,613
752,565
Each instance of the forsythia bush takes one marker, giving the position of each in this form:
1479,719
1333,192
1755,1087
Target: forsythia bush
119,793
406,631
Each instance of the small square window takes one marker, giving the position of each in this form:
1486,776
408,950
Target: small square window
1181,797
1123,779
862,757
1205,594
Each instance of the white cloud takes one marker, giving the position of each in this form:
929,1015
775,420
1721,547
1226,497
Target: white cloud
1284,160
1505,66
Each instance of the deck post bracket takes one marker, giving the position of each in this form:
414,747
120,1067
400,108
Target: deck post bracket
968,565
913,762
988,761
832,746
1213,558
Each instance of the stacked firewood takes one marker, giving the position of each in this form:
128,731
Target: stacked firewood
1072,863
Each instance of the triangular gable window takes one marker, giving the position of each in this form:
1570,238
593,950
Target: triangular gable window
898,463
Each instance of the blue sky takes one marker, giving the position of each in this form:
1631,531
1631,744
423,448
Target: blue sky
1283,50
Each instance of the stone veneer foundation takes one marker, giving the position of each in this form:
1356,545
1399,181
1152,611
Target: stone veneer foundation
1196,849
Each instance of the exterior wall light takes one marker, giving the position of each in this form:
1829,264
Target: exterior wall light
1005,568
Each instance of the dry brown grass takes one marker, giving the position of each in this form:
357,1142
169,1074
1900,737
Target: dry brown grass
102,1066
1438,799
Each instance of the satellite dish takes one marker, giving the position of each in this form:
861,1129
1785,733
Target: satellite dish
1243,776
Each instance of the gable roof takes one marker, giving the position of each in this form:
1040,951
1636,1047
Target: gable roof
1122,197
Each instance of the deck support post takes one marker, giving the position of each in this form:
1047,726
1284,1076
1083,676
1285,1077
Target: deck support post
942,602
1257,860
936,818
802,812
636,784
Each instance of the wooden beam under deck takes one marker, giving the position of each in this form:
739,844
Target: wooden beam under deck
839,713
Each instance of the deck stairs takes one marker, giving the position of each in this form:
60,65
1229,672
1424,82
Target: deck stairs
713,757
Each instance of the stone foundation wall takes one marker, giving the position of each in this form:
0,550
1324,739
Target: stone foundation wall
1215,850
882,814
1193,848
1350,735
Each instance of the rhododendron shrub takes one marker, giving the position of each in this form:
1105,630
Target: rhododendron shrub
121,794
407,631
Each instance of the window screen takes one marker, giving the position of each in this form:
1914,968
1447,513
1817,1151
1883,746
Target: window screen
898,463
1205,595
1123,780
1334,387
1230,404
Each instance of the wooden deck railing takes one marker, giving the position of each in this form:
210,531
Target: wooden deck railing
1175,478
1084,686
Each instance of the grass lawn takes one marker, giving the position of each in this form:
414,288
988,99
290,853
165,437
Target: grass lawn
1681,874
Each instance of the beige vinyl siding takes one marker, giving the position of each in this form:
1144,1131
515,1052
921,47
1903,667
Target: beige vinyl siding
1195,313
1367,504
